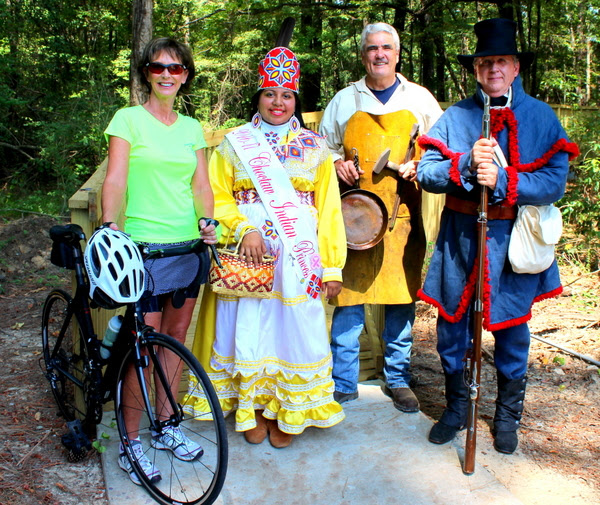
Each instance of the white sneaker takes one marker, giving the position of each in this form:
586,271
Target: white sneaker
173,439
149,469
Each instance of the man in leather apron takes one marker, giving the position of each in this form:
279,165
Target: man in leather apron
366,118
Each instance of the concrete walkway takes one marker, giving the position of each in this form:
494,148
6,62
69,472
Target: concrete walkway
377,455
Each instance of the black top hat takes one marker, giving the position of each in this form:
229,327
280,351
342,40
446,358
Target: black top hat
495,37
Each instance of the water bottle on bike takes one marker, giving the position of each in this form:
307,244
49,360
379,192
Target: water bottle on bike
112,330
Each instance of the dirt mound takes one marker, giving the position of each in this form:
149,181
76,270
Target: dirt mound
33,464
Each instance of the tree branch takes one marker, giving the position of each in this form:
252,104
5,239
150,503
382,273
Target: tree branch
18,149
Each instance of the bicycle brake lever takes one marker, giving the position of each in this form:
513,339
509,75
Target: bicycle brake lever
209,221
213,249
215,254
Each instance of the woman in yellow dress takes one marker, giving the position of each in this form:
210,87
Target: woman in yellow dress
269,359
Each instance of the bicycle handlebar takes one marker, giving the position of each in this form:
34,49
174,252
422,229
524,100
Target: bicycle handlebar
195,247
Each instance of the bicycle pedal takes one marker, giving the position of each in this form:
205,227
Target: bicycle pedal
76,441
76,456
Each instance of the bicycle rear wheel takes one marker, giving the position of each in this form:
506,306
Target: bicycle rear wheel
65,358
185,481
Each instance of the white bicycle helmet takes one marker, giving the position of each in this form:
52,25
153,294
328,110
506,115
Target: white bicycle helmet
115,268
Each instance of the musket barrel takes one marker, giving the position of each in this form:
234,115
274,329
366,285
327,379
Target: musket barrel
474,370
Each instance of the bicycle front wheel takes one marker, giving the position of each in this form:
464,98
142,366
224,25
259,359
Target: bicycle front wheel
182,458
65,357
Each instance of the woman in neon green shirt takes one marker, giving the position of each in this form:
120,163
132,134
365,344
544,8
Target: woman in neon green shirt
157,167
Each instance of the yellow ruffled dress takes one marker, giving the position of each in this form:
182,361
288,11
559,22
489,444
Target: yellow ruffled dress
273,354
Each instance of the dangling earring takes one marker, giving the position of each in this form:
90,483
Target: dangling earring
256,120
294,124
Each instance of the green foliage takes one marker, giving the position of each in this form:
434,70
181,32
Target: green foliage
64,71
16,201
96,444
581,203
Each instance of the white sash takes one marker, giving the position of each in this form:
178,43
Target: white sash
282,204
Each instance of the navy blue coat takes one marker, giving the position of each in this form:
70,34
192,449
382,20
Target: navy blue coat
538,152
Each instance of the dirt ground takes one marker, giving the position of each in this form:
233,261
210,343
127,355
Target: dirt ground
560,427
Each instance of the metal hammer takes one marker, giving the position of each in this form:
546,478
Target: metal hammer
383,162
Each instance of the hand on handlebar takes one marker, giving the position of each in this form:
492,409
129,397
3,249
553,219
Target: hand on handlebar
208,227
109,224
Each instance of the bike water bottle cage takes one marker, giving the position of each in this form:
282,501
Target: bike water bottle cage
115,268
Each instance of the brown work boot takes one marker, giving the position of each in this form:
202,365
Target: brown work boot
404,399
258,434
278,438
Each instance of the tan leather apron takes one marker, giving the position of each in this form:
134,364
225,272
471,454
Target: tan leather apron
390,272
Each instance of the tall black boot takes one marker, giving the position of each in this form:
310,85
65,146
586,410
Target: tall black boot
454,417
509,408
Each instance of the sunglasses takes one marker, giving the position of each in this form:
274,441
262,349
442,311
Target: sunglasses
159,68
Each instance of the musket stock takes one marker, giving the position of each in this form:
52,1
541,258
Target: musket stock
473,366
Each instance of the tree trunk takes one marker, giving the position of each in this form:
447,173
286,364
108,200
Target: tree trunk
440,57
526,76
505,9
400,12
312,24
141,35
427,74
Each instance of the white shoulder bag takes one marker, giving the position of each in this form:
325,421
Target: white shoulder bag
535,233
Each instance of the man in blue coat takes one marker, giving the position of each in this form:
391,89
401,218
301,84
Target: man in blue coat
525,162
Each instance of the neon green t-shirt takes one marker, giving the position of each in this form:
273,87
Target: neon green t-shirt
162,162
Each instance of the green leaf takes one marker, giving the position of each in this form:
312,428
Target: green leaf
559,359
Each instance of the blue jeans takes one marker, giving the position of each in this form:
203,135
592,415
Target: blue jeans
347,325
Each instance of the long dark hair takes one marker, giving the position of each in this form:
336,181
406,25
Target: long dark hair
297,110
177,50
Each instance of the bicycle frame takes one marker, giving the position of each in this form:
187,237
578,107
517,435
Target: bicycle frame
131,335
142,375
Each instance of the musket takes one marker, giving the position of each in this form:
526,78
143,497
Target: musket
473,365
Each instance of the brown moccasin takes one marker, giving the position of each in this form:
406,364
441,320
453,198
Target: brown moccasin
258,434
278,438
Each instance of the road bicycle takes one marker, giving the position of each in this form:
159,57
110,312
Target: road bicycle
82,381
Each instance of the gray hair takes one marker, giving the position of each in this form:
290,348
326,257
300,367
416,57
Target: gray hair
376,28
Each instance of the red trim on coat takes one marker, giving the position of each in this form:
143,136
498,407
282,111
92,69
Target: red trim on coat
467,295
465,298
512,175
550,294
432,301
506,117
560,145
523,319
428,142
487,284
509,324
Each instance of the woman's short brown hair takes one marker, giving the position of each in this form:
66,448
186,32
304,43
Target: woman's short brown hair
177,50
